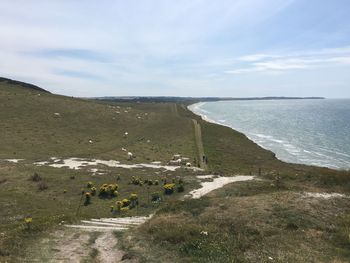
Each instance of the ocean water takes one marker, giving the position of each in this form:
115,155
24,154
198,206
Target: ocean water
315,132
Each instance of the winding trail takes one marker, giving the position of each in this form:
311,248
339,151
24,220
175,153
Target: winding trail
199,143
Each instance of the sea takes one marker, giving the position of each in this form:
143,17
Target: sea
306,131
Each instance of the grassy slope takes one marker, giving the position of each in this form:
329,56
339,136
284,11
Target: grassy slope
251,221
31,131
245,221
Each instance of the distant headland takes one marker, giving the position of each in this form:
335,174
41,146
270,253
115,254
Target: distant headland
196,99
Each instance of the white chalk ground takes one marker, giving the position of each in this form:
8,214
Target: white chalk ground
216,184
79,163
323,195
111,224
209,176
14,160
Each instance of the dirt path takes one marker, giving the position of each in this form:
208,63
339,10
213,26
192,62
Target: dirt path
90,241
216,183
199,143
174,110
105,244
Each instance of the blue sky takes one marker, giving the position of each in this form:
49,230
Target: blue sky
237,48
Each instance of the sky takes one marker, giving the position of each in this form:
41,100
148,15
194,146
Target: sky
226,48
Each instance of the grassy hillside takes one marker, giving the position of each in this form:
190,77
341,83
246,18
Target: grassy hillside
31,129
242,222
82,128
246,222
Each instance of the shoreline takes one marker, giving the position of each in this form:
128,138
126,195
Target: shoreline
207,119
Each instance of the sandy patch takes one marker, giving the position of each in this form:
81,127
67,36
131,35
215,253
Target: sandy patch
216,184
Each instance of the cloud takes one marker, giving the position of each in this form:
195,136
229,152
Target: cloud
80,54
255,57
77,74
279,63
159,47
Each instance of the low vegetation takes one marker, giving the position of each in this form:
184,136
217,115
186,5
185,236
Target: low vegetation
258,221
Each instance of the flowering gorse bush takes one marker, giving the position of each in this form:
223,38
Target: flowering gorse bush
28,221
118,205
108,190
124,209
87,198
169,188
134,200
125,202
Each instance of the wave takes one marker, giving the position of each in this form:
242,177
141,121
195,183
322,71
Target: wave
284,150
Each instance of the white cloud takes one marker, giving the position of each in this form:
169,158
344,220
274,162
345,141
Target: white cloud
158,47
278,63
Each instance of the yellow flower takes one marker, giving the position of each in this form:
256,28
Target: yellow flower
133,197
28,220
124,209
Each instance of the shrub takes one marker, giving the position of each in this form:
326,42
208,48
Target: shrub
134,200
42,186
136,180
118,205
156,197
113,187
124,209
28,221
35,177
169,189
93,191
125,202
180,188
90,184
87,198
150,182
115,193
108,190
156,182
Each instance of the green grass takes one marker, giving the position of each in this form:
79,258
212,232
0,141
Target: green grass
246,222
31,131
249,227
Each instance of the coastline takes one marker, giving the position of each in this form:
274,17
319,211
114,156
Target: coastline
192,108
